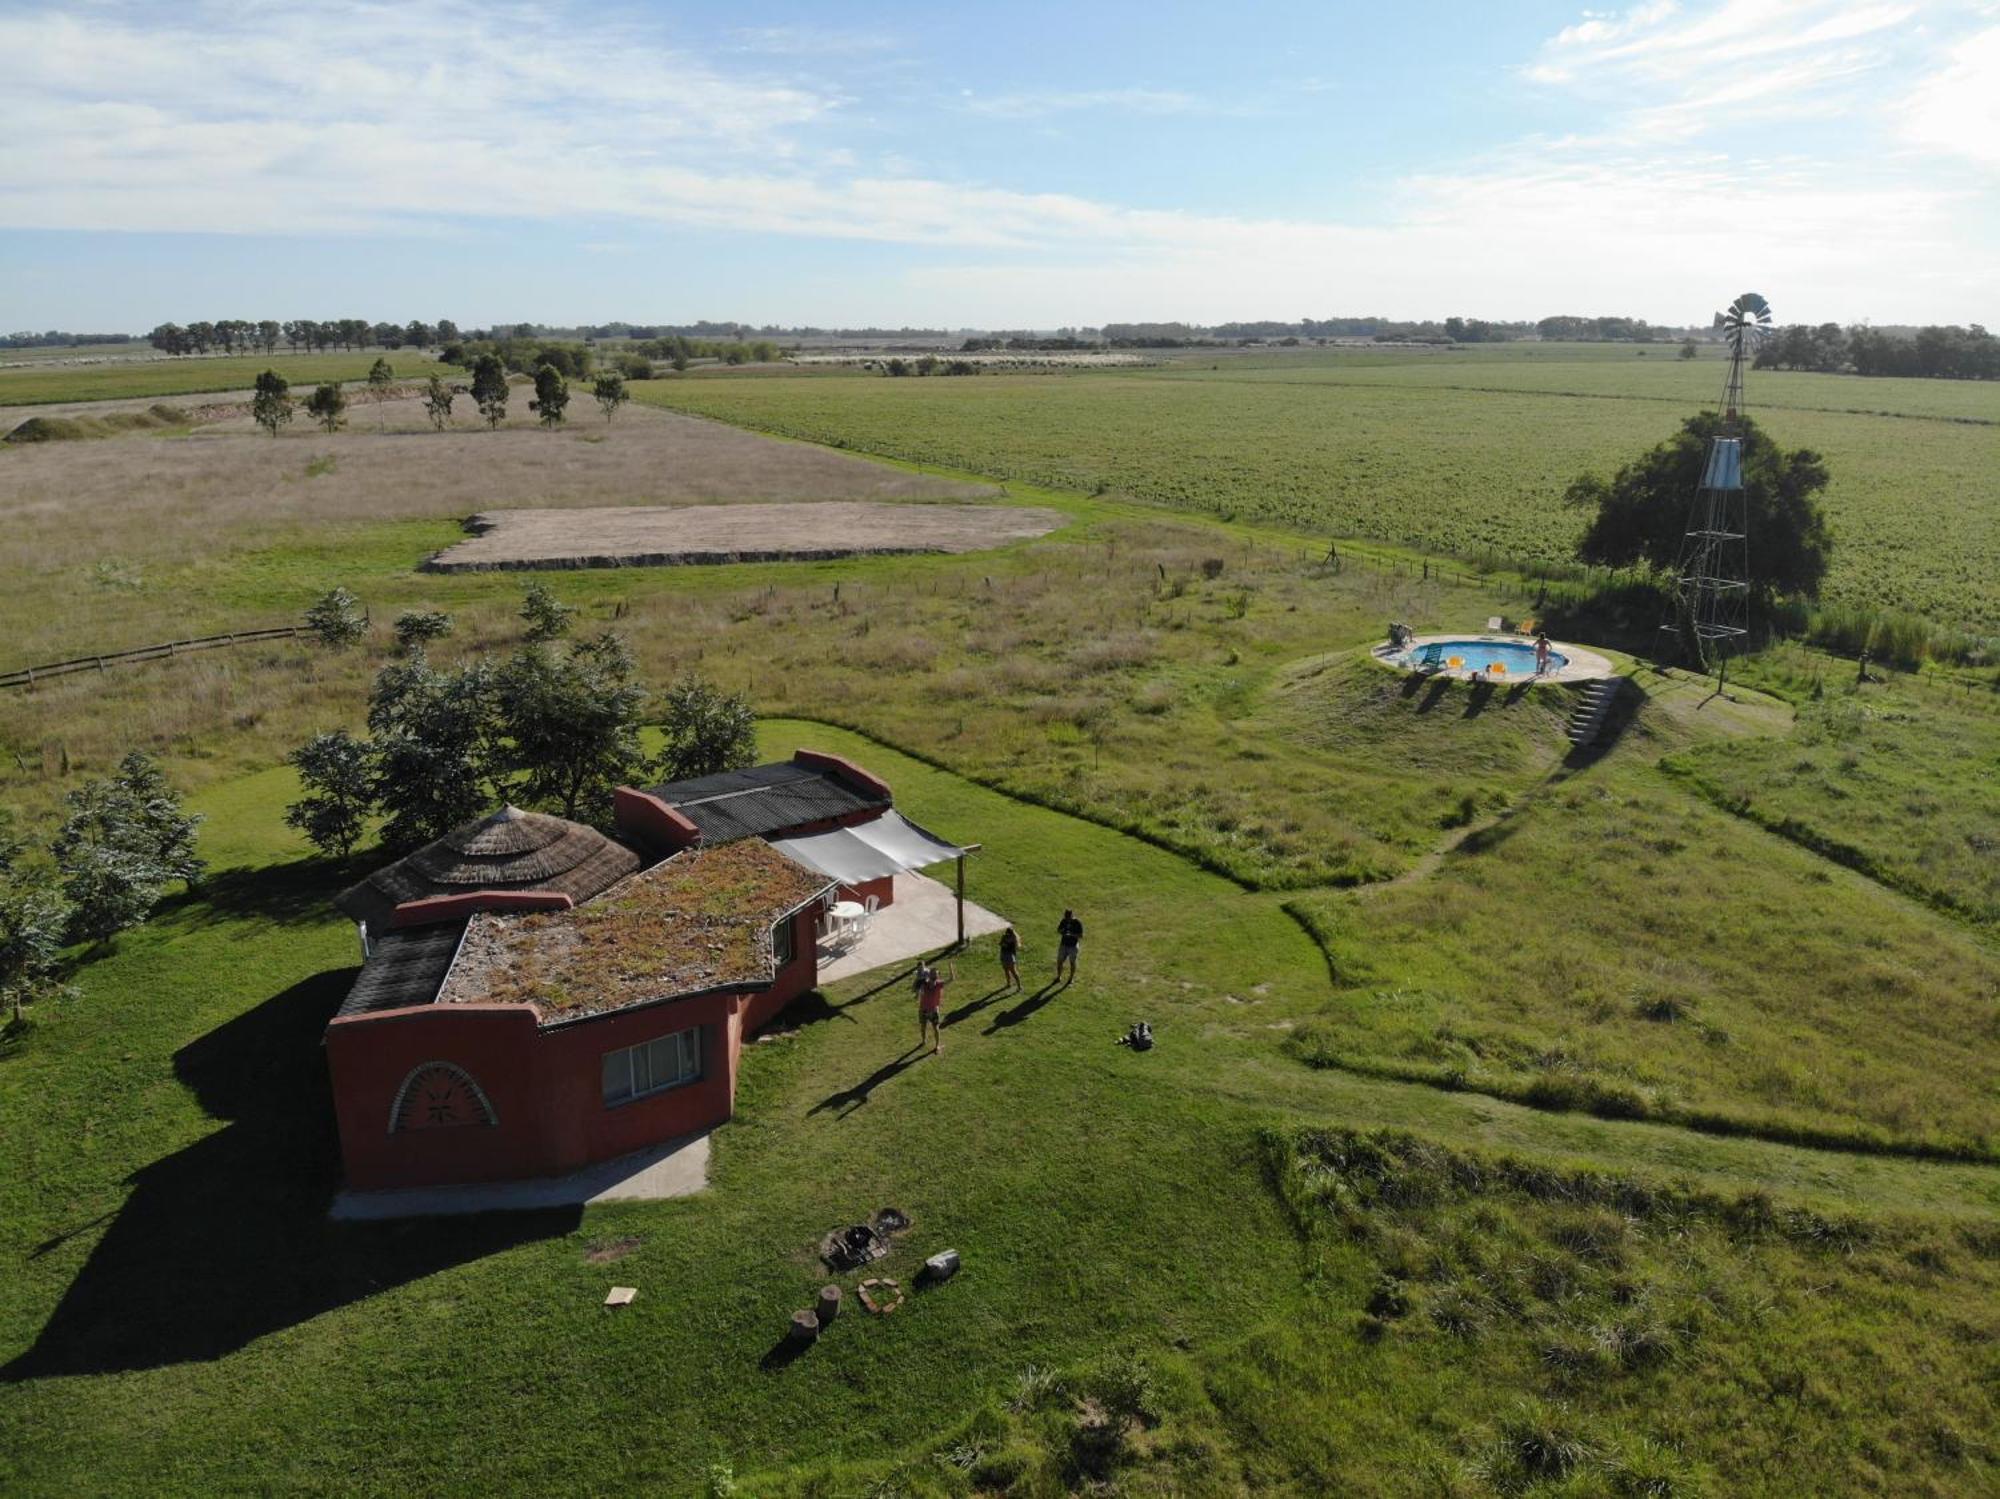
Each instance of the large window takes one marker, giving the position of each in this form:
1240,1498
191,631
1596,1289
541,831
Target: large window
652,1066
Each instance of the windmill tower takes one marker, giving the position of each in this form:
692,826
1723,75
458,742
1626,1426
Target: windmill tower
1711,611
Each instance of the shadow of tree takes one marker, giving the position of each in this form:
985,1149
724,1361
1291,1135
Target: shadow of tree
228,1240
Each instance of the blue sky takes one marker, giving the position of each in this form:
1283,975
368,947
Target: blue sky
1011,165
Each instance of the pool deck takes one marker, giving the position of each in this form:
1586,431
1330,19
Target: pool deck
1580,666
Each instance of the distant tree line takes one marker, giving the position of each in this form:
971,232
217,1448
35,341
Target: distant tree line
1931,353
55,339
238,335
924,364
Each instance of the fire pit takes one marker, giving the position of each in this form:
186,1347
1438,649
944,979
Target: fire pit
858,1244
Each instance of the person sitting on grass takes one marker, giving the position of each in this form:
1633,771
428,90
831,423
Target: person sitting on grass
1069,938
930,1000
1010,957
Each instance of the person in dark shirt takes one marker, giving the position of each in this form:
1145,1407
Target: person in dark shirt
1069,938
1010,957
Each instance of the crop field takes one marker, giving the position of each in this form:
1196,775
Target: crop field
131,378
1524,1120
1389,451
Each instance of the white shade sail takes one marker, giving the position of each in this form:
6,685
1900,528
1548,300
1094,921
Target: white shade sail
887,845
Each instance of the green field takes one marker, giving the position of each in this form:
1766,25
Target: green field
1524,1121
124,379
1466,459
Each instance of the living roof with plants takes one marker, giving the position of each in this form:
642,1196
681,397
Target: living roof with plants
700,920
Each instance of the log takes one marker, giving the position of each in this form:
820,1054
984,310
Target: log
829,1304
805,1327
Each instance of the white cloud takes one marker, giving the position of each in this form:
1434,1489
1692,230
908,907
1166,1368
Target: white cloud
1035,106
1956,111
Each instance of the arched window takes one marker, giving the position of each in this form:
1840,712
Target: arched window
437,1095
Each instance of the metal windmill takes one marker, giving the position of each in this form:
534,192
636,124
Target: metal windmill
1712,574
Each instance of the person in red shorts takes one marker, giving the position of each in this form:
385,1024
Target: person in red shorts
930,1002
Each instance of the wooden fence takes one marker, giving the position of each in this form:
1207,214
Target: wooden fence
29,676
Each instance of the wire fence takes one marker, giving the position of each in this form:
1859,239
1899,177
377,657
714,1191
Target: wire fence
28,676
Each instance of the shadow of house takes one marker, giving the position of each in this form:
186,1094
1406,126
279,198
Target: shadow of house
228,1240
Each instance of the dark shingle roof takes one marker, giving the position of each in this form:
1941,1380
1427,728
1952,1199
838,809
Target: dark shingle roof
509,850
764,799
403,968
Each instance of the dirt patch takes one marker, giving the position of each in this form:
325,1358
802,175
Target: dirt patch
629,536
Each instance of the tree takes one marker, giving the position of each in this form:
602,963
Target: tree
336,618
547,616
271,405
437,402
381,376
1690,349
328,406
489,389
418,334
609,391
707,730
435,755
124,841
34,917
1639,516
268,333
337,773
416,628
551,395
571,723
447,331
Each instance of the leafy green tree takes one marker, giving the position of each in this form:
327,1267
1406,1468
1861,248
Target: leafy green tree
1639,516
546,615
609,392
337,619
437,402
435,754
489,389
551,395
271,405
416,628
571,723
381,377
124,841
34,917
707,730
328,406
337,772
1690,349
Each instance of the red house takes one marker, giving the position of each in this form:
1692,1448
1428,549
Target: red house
537,996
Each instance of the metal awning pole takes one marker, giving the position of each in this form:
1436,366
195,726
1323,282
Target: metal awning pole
961,900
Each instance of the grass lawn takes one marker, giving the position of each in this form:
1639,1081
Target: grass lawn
172,1156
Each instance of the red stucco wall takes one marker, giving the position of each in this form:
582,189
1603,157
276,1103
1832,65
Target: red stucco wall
545,1086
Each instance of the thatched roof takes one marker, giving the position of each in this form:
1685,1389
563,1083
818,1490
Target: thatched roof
508,850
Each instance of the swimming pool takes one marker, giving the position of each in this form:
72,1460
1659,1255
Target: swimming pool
1476,655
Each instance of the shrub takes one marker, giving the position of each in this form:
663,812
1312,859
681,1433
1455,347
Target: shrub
418,627
336,619
546,616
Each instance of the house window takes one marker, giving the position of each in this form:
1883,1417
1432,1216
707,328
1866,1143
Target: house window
781,943
652,1066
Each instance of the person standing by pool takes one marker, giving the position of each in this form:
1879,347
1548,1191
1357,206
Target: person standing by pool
1069,939
930,1001
1010,957
1541,653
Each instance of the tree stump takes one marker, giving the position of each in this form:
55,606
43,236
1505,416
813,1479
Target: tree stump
805,1327
829,1304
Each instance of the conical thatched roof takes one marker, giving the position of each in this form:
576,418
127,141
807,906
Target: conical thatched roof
508,850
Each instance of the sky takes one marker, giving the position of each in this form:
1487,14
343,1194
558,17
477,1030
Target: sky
1017,165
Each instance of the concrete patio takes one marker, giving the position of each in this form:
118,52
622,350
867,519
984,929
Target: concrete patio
676,1168
922,919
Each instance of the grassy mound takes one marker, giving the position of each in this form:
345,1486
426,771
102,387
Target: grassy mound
111,424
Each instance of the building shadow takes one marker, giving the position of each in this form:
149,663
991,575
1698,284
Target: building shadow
1027,1007
228,1240
283,894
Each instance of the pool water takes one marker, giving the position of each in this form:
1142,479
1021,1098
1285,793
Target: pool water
1518,657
